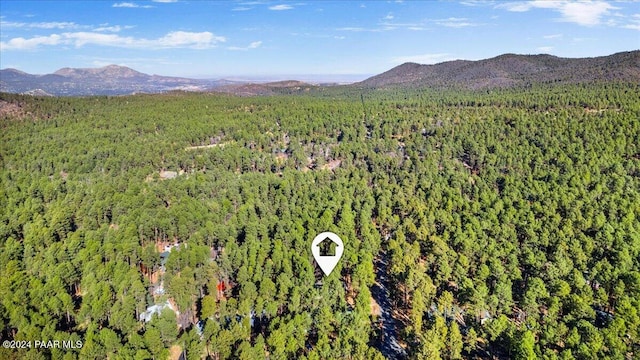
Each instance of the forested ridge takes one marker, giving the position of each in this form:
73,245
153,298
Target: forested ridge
512,70
508,221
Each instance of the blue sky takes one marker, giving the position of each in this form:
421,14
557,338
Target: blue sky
277,39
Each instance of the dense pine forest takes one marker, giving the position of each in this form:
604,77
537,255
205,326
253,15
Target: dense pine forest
503,224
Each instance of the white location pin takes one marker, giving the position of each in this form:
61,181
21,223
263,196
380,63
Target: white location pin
327,249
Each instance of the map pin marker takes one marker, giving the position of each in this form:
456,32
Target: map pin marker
327,249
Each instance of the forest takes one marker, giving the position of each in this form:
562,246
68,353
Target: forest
504,224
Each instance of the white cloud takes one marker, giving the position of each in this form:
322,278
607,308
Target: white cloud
124,5
388,17
63,26
422,59
582,13
545,49
585,13
351,28
385,26
280,7
253,45
553,36
516,6
201,40
130,5
635,23
39,25
165,1
241,8
175,39
29,44
80,39
455,22
476,2
113,28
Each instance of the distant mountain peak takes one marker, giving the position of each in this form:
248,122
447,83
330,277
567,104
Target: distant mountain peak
114,66
15,71
109,70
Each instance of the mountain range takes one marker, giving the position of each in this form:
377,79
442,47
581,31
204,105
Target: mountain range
108,80
508,70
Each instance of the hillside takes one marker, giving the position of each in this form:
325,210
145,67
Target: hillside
270,88
510,70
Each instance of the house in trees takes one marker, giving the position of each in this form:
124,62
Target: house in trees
156,309
484,316
158,289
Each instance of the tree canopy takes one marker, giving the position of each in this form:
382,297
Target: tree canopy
503,223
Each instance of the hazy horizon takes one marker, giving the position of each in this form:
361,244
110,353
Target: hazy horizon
258,78
263,78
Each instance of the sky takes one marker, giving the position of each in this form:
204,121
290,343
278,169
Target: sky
278,39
